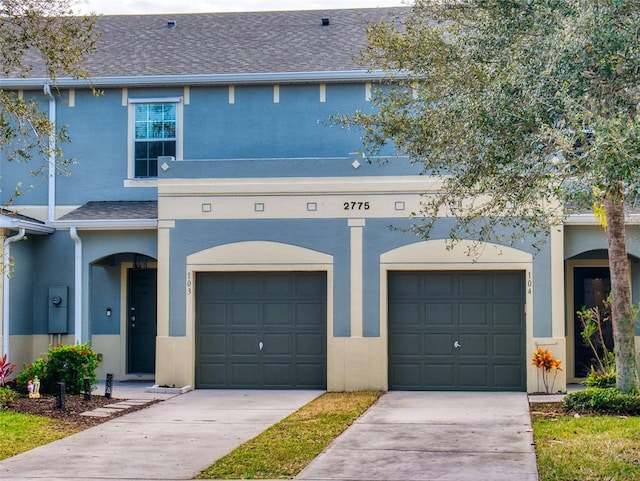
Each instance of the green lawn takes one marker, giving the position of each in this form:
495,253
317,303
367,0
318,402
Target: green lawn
587,448
22,432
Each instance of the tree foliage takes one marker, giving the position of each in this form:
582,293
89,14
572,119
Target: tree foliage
528,109
40,39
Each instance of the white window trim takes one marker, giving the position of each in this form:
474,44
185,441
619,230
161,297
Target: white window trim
131,180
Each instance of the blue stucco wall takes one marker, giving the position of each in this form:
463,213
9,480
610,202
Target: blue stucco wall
53,265
330,236
105,293
21,288
256,127
253,127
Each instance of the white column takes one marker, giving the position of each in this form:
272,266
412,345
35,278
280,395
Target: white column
356,227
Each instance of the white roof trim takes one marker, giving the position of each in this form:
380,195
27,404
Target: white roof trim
8,222
205,79
590,219
110,224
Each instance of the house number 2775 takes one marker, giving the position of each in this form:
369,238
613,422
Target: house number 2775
356,205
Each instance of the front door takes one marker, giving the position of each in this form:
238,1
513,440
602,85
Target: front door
592,286
141,321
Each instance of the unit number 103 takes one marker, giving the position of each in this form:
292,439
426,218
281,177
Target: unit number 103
356,206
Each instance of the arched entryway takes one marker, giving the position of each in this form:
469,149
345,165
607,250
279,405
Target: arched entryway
123,310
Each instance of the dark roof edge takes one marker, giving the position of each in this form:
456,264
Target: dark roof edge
205,79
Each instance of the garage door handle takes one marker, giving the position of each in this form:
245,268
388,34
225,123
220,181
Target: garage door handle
457,345
260,345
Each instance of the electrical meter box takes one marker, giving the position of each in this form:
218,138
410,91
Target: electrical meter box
58,302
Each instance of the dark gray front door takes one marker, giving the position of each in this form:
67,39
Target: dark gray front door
141,321
451,330
592,286
261,330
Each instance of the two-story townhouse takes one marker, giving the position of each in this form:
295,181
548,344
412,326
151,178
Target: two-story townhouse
219,231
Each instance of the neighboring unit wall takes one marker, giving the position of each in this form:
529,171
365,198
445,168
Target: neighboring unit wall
586,247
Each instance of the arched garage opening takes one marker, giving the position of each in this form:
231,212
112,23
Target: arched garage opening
260,316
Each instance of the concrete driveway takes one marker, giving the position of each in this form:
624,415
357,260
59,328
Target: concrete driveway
409,436
429,436
173,440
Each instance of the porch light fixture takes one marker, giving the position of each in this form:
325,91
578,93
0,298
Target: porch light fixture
139,262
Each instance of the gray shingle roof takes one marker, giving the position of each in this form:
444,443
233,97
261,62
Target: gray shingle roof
114,210
231,43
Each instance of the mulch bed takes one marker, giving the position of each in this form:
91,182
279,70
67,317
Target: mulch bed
74,407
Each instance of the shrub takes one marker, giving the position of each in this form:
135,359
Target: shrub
68,363
543,359
603,401
7,397
601,379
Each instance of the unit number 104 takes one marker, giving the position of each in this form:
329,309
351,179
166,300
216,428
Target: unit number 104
356,206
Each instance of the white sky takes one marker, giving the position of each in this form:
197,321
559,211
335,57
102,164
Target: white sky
110,7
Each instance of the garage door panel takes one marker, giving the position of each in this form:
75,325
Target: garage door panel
438,315
243,286
407,313
474,344
508,376
244,314
510,345
212,344
276,343
407,375
405,285
309,344
482,310
309,314
243,344
473,285
213,374
472,314
245,374
438,344
276,314
440,285
474,376
440,375
310,286
507,285
309,375
406,345
276,375
212,314
507,315
277,286
211,288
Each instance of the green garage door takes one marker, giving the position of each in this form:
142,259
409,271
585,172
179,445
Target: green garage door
462,331
261,330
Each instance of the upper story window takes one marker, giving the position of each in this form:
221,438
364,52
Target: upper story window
155,131
155,136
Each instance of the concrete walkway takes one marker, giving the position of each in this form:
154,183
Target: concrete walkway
409,436
429,436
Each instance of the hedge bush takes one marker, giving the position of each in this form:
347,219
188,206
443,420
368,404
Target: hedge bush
603,401
7,397
67,363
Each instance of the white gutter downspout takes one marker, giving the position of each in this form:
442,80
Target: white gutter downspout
52,154
5,289
77,325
